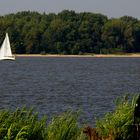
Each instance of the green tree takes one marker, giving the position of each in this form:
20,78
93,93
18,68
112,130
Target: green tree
113,35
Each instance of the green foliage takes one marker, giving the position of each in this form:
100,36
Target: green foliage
119,122
69,32
21,125
24,125
64,127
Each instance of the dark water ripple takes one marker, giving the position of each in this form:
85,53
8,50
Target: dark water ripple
52,85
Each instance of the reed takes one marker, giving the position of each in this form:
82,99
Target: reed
65,127
21,125
24,124
118,123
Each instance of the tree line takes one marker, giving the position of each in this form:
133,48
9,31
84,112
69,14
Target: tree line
69,32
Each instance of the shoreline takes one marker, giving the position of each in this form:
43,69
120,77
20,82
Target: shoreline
88,55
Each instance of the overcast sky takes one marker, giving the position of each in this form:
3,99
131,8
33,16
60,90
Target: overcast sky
111,8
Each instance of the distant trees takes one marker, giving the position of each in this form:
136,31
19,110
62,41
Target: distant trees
121,35
70,33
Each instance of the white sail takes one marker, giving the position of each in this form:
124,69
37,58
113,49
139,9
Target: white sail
5,50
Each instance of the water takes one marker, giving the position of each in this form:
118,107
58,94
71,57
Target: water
53,85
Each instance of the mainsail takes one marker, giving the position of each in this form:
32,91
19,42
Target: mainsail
5,50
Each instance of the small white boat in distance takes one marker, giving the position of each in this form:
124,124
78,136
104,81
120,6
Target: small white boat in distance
5,50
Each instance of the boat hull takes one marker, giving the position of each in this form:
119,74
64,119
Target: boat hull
8,58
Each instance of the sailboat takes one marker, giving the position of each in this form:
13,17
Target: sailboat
5,50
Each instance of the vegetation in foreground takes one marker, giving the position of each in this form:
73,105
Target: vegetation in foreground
119,123
24,124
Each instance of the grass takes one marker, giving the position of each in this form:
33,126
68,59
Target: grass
65,127
21,125
24,125
118,123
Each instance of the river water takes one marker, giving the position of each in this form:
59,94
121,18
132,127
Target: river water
52,85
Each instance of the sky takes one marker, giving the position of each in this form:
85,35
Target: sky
110,8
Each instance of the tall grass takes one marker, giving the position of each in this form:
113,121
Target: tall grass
65,127
21,125
119,122
24,125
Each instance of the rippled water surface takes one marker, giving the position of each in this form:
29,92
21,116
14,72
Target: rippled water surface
52,85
